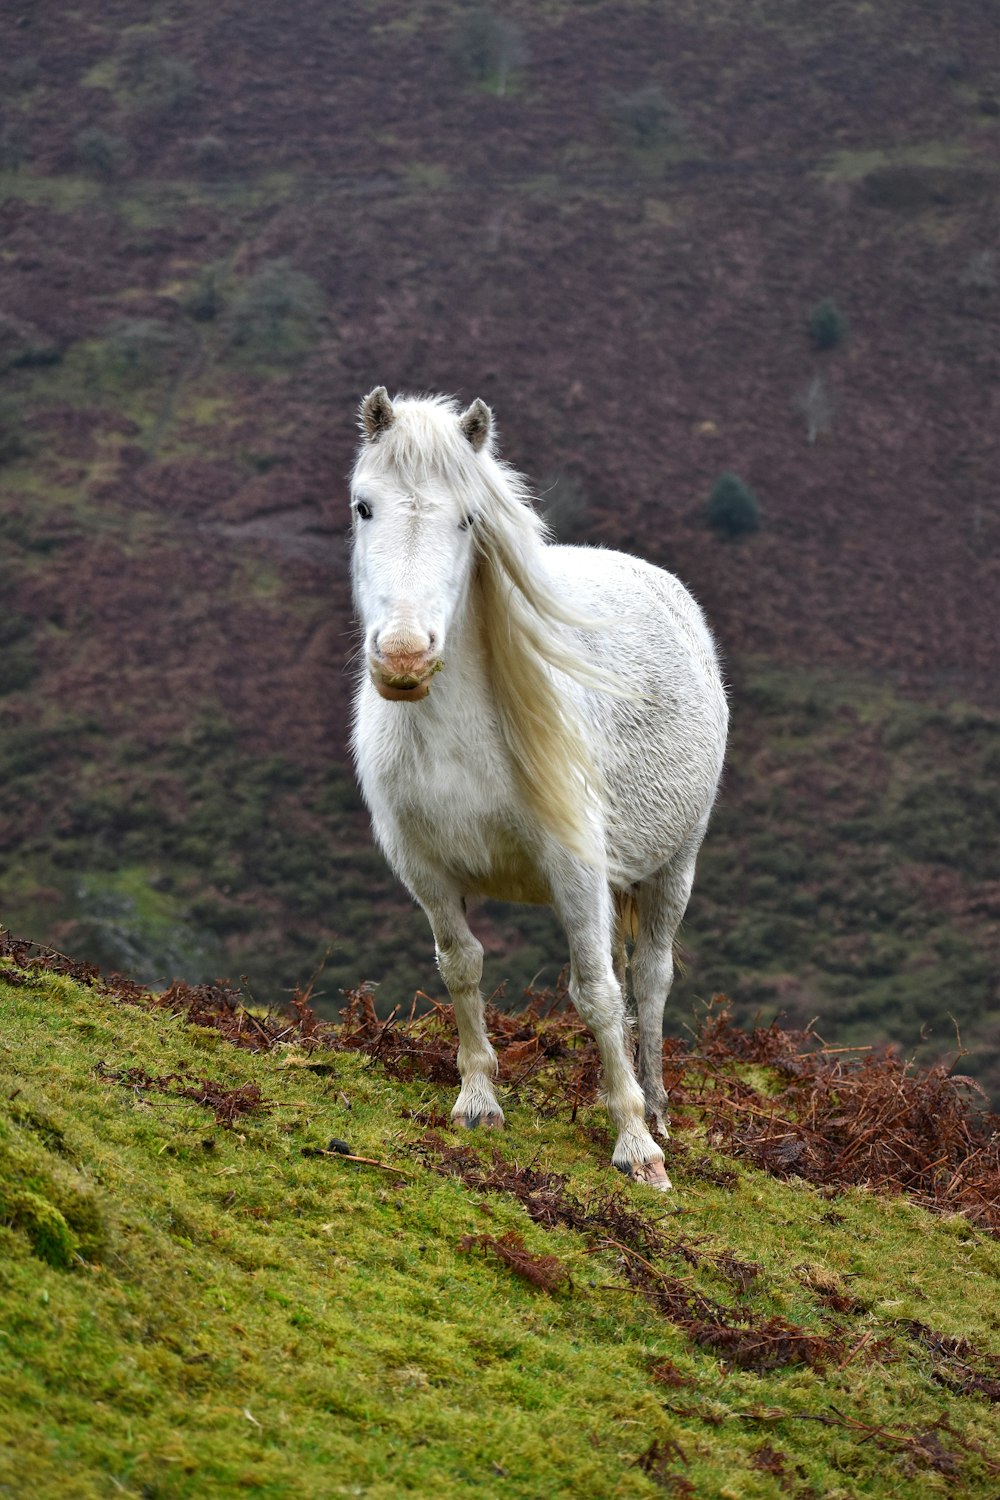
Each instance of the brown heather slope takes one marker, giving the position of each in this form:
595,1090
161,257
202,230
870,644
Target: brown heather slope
633,302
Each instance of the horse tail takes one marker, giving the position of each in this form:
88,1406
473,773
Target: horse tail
627,913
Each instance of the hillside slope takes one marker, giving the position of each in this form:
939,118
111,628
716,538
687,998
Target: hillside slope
202,1296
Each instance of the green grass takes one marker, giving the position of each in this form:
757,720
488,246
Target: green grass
195,1311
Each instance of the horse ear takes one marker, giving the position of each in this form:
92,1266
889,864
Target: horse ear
377,413
477,424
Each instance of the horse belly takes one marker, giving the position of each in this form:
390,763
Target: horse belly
512,875
483,855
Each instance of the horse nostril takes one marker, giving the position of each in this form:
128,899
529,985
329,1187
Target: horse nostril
432,641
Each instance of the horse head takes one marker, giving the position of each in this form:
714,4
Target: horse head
414,495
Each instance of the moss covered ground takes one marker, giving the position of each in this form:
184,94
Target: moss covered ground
199,1297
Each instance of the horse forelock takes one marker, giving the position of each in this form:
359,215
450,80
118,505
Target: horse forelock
422,446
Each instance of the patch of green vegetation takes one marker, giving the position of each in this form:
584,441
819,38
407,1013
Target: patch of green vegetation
205,410
144,205
65,193
273,315
135,351
101,153
101,372
428,177
132,920
851,165
102,75
192,1311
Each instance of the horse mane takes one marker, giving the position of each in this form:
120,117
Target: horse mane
524,627
525,638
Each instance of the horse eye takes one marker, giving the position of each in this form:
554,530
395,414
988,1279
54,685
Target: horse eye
363,510
464,525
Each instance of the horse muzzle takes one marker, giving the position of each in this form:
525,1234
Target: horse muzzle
403,681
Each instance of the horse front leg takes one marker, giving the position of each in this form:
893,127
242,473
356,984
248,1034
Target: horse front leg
583,903
460,961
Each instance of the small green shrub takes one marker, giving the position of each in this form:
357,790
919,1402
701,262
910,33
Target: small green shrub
827,325
102,154
732,506
138,348
274,313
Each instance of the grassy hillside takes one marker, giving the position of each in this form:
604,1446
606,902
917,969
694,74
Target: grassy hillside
202,1295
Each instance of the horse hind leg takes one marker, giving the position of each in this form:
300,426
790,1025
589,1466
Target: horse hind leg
460,960
663,899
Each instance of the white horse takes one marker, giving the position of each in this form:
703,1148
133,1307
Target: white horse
568,753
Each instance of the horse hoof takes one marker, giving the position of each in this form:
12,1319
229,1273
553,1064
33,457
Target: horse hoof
493,1120
651,1173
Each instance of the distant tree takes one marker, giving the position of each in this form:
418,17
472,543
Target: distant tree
732,506
827,326
645,115
490,47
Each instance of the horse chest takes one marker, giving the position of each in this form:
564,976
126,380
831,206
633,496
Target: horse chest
454,808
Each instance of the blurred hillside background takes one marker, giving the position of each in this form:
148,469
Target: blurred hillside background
728,273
